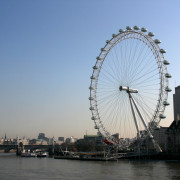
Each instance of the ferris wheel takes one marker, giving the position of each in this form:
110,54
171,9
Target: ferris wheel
129,87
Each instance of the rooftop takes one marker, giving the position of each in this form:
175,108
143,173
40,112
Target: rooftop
178,87
174,126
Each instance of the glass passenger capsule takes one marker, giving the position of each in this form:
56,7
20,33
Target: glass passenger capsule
136,27
102,49
91,88
166,103
95,67
151,34
114,35
93,118
162,116
91,108
165,62
168,89
162,51
157,128
128,28
143,29
121,30
157,41
92,77
98,58
91,98
167,75
96,127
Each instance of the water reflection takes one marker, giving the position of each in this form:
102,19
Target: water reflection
12,167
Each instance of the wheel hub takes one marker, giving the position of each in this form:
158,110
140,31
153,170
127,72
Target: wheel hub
127,89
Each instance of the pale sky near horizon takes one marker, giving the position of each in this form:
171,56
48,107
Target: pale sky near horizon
48,48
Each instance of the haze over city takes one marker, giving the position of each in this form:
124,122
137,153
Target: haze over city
48,49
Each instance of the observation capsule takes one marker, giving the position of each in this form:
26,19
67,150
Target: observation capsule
168,89
162,51
128,28
93,118
91,108
166,103
95,67
91,88
143,29
98,58
136,27
162,116
114,35
102,49
167,75
91,98
96,127
151,34
121,30
157,128
92,77
107,41
165,62
157,41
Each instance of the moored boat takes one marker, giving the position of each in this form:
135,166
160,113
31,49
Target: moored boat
28,154
42,154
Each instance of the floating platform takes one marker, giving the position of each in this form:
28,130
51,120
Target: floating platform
85,158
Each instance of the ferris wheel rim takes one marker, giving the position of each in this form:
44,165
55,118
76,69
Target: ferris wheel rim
148,40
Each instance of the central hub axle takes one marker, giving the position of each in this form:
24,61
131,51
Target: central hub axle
127,89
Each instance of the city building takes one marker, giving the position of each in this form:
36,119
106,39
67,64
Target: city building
51,141
1,140
61,139
173,132
41,142
160,137
71,140
97,139
41,136
24,141
116,136
7,141
176,100
173,136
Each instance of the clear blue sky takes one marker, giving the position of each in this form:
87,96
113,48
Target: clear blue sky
48,48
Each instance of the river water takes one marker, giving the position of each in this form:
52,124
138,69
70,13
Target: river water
18,168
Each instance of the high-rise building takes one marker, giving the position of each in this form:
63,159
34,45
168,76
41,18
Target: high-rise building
173,132
41,136
61,139
176,99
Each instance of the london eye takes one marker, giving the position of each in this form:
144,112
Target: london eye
129,87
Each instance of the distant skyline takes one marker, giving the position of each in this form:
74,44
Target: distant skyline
48,48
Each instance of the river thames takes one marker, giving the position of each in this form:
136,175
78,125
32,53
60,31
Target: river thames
18,168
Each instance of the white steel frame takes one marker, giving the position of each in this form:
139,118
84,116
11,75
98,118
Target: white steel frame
163,82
